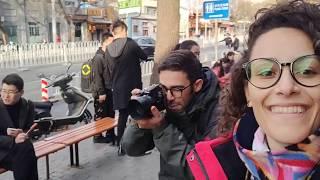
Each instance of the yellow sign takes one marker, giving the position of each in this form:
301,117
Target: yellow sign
86,69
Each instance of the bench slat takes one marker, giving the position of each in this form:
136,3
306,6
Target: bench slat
43,148
84,135
66,136
95,123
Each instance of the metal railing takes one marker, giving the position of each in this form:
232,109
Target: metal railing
24,55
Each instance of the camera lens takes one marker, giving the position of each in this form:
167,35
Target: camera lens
140,108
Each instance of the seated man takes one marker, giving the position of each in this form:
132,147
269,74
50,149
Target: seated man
16,150
191,94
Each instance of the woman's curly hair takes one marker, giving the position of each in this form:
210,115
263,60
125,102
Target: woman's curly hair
296,14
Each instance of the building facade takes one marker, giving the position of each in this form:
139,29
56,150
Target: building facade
140,16
30,21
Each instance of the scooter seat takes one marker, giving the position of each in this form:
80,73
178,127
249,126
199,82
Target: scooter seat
43,105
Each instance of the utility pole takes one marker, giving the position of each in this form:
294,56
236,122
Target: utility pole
26,20
53,22
197,17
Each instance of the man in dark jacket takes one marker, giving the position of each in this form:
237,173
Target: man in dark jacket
126,76
102,86
235,43
17,115
191,96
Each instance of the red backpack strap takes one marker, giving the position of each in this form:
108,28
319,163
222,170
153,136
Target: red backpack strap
203,162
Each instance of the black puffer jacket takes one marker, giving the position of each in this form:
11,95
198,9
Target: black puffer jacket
102,73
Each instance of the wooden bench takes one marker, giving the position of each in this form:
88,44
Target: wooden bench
70,138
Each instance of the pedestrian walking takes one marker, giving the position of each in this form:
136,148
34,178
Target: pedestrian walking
235,43
125,54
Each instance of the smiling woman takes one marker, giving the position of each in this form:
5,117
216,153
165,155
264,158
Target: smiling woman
271,109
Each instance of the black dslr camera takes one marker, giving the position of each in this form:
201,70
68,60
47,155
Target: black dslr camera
139,108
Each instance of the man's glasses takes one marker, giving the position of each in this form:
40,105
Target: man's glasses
175,91
266,72
9,92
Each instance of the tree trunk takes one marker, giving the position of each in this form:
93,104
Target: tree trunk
168,20
3,35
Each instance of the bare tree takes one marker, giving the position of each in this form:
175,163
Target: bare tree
168,20
3,35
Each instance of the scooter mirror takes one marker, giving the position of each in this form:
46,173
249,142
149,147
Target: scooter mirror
69,64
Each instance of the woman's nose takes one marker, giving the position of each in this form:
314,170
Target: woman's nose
286,84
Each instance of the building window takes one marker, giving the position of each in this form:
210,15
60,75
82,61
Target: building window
144,23
154,29
69,3
34,29
12,33
151,11
135,28
11,30
145,32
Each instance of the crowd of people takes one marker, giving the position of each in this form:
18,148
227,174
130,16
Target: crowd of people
251,116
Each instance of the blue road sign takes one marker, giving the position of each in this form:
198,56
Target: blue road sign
217,9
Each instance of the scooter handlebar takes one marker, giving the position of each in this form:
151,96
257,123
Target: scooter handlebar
62,80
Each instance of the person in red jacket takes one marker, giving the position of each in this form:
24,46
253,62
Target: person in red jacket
270,123
222,68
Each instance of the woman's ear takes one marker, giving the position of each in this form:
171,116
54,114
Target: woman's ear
197,85
249,103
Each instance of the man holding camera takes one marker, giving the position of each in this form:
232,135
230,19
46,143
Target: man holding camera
190,96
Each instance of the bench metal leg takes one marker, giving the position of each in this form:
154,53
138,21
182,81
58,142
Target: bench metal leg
47,167
77,154
71,155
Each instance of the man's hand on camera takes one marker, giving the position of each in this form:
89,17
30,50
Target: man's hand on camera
135,93
154,122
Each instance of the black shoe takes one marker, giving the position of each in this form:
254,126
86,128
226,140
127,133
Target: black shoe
121,151
112,138
101,139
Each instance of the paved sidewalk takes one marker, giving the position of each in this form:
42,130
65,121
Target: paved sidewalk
98,162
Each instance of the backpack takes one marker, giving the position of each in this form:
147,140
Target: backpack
87,76
203,162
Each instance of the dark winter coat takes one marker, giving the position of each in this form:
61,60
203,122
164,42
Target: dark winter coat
235,44
178,136
26,118
102,73
125,54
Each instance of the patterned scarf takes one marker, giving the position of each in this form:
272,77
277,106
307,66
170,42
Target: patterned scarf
297,162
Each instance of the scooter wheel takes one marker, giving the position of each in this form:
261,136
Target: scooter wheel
87,116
